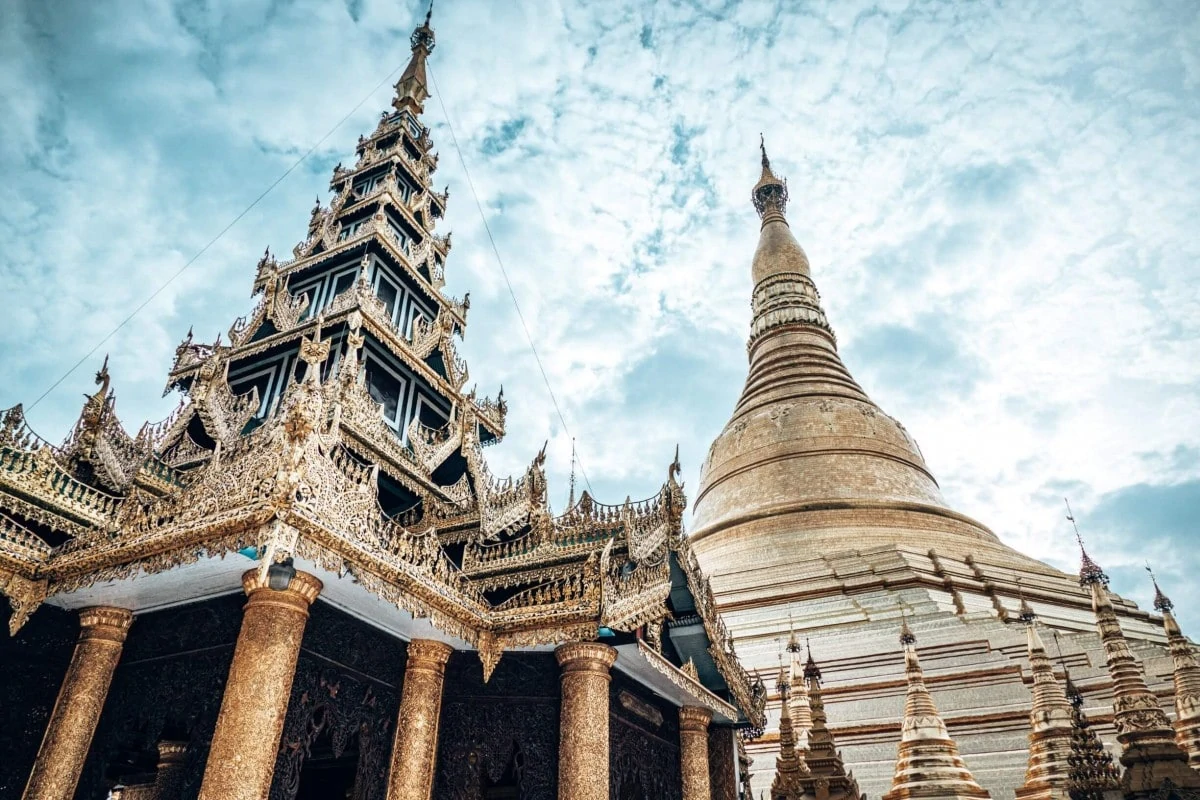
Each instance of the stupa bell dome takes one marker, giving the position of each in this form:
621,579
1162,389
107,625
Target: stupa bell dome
806,450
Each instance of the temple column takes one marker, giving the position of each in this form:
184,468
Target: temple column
583,737
693,752
414,750
245,744
80,701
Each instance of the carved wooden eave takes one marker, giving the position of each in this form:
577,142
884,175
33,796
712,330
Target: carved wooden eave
388,191
369,154
291,488
480,557
35,486
356,303
720,647
389,124
276,305
306,258
693,688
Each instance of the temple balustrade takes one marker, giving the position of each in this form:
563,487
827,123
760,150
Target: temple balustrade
38,475
18,543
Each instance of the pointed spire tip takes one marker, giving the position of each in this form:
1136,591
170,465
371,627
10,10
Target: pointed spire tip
1090,573
770,194
1162,603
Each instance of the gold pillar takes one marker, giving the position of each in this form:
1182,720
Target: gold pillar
583,736
241,761
414,749
80,701
693,752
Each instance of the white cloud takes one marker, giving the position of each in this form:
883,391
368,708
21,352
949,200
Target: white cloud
1022,182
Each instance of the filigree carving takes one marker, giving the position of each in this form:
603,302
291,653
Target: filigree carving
24,595
433,446
641,765
485,730
301,478
335,705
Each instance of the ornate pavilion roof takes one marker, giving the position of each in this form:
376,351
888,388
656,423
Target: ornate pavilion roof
480,558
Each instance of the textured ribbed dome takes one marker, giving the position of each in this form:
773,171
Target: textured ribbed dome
804,438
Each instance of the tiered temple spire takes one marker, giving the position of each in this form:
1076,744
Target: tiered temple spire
1091,773
927,762
1148,750
412,89
784,293
1050,721
332,428
799,705
1187,679
790,769
828,778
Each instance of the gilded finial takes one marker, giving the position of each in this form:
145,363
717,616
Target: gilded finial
423,36
1162,603
571,483
770,194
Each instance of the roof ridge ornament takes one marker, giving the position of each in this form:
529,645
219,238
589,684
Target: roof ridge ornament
793,645
770,194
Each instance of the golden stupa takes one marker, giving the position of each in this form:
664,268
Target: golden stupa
816,507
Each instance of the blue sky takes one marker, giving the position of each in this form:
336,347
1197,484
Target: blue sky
999,201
